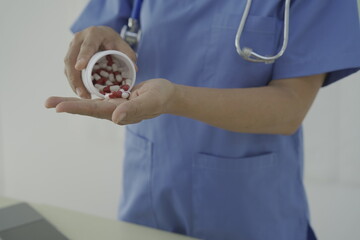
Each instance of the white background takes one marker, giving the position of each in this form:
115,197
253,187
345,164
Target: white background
75,162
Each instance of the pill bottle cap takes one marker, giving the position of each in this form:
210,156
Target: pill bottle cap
125,62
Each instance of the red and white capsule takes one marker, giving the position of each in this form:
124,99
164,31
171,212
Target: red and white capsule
114,88
118,77
96,76
112,77
125,95
109,83
114,67
125,87
104,73
128,82
99,87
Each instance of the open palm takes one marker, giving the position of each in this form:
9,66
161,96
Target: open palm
148,100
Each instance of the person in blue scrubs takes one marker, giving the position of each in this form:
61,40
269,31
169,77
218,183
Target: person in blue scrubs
214,144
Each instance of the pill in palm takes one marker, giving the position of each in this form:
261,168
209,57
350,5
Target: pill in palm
116,94
125,94
125,87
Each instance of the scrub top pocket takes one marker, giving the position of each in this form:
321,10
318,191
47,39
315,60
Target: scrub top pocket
136,201
224,67
227,202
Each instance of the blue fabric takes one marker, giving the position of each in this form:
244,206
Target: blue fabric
311,234
187,177
111,13
324,37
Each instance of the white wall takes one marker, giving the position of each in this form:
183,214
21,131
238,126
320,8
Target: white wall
2,62
69,161
75,162
2,173
332,160
333,135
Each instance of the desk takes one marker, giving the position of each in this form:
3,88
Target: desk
80,226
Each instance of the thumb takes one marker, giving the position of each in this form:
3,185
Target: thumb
129,111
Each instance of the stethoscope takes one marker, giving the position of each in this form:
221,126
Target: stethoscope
131,33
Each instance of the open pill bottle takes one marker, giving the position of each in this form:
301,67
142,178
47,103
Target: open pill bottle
109,73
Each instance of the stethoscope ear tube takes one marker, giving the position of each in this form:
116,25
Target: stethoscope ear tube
247,53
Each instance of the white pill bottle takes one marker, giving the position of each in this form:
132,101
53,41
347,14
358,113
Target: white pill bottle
124,63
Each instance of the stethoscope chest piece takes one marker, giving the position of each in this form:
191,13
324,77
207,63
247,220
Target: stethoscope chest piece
131,33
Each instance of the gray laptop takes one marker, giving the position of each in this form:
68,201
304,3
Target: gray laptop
22,222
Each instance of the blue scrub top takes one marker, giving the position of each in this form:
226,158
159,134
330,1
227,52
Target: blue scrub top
184,176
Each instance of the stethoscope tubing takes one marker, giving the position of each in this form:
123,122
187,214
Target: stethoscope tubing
135,12
246,52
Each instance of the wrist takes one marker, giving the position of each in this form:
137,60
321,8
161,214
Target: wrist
175,100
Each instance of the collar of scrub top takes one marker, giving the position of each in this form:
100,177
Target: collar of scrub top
246,52
131,32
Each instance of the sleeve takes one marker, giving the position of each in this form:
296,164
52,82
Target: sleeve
324,38
111,13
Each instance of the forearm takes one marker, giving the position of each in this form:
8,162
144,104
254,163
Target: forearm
267,110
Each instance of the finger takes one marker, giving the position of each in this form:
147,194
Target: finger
52,102
116,101
132,122
121,112
81,90
88,48
73,75
135,90
93,108
136,109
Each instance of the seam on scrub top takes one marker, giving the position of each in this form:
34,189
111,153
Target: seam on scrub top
137,134
245,169
204,75
150,145
272,160
304,219
196,231
192,220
